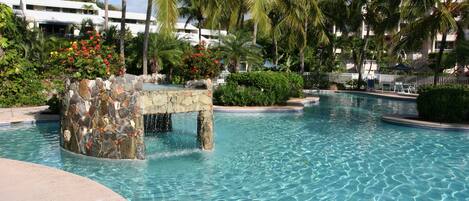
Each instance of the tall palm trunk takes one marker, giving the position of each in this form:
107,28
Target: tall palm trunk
200,29
302,49
122,33
361,59
254,33
237,65
146,36
438,67
275,47
106,15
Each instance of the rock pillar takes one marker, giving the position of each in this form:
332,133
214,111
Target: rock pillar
205,129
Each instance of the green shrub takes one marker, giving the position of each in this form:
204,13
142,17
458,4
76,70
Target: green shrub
444,103
233,95
22,89
296,84
259,89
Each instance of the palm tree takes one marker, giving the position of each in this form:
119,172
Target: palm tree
238,46
167,15
146,36
165,50
302,16
122,33
194,10
259,9
438,18
106,15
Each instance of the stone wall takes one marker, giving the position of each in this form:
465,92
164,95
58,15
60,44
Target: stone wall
103,118
106,118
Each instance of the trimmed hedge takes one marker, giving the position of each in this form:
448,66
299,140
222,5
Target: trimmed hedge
444,103
259,89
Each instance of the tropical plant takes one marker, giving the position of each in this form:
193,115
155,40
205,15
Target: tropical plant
238,47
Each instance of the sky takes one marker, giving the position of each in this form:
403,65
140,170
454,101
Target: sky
132,5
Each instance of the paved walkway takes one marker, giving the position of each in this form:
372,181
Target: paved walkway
25,115
27,181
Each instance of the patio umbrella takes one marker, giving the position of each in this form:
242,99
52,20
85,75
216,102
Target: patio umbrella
268,64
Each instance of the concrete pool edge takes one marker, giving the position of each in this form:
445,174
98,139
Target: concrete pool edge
30,181
26,115
294,105
411,121
393,96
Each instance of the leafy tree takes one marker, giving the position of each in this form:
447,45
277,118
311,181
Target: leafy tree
20,83
429,18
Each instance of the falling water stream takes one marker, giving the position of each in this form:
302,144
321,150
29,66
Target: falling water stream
181,140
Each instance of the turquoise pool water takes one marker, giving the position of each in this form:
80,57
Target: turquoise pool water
337,150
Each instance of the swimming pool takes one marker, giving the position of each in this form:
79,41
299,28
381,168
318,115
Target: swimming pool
337,150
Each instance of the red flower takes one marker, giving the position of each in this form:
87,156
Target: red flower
216,61
98,47
70,59
193,69
109,56
91,37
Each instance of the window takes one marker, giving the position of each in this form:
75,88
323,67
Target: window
130,21
16,7
53,9
69,10
30,7
88,12
114,20
449,45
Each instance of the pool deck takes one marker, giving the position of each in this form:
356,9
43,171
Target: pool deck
390,95
28,181
10,116
413,121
